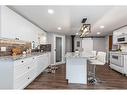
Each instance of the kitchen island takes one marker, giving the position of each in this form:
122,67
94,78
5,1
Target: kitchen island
76,67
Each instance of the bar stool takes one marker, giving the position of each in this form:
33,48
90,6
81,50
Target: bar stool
100,60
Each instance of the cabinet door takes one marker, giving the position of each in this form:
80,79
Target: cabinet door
125,64
25,79
114,40
42,61
115,34
49,58
24,72
46,62
123,31
39,64
43,39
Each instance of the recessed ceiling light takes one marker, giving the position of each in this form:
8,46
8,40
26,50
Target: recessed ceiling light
59,28
50,11
98,33
76,33
101,26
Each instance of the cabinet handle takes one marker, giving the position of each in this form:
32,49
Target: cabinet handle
28,78
22,61
33,58
28,67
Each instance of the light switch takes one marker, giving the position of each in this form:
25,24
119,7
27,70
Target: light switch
3,48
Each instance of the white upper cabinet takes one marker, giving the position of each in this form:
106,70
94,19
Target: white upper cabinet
116,33
42,38
15,26
123,30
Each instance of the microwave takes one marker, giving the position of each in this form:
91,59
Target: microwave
122,39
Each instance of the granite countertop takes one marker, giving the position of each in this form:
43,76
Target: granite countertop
78,55
18,57
119,52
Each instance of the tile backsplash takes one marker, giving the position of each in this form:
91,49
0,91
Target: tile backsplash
45,47
6,46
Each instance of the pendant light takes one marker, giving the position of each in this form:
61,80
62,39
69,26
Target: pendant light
85,29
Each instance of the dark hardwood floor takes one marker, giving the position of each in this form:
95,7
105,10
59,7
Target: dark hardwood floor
111,78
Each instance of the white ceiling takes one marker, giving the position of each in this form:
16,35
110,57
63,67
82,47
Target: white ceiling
69,17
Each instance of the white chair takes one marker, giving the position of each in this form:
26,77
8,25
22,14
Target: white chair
89,54
100,60
93,55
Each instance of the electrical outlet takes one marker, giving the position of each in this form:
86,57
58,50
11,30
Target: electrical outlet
3,48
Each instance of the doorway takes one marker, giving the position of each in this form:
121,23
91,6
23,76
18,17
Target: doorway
110,42
59,49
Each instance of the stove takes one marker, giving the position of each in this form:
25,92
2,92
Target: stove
118,61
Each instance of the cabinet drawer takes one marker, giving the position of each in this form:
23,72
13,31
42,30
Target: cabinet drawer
25,79
19,71
24,61
21,82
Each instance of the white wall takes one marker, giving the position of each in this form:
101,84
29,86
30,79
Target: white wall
50,40
107,43
68,43
15,26
99,44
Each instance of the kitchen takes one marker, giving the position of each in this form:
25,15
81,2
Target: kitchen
35,55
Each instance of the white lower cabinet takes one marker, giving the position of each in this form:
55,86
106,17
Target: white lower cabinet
43,62
23,66
25,79
125,64
20,73
40,61
24,72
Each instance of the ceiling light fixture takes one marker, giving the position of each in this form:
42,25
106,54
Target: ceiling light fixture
85,28
98,33
101,26
50,11
59,28
77,33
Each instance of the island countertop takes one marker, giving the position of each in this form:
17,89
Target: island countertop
119,52
78,55
18,57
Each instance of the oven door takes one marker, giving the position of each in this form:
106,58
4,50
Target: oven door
116,59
